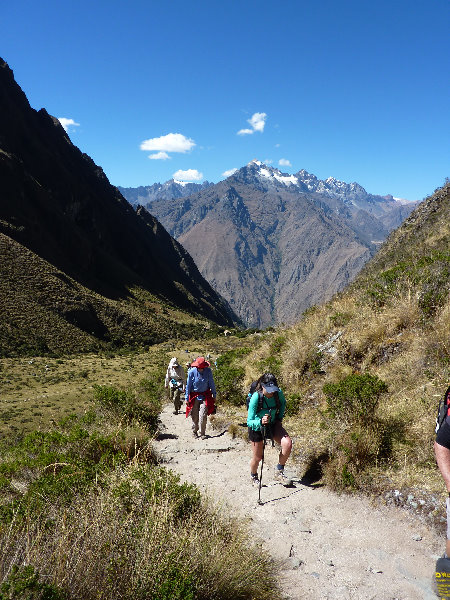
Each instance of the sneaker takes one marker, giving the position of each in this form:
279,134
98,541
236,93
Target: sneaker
254,479
281,476
203,437
195,434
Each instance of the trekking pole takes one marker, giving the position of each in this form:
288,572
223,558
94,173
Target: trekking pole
262,464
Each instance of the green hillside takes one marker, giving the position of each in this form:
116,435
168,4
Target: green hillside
392,325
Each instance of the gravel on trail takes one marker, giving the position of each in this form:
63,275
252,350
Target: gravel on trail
329,546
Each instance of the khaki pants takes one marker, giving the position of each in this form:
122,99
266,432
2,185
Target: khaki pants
199,415
175,396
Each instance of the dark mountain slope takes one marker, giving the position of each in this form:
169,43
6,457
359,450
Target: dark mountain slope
57,203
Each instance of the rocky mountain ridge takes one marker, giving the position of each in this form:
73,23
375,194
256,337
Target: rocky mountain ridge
271,244
161,191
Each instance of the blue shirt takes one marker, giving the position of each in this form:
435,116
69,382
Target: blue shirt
200,382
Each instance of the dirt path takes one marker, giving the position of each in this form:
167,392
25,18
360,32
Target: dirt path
330,546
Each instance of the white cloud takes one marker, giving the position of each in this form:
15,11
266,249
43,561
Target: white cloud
172,142
277,145
189,175
284,162
267,161
66,123
245,131
159,156
229,172
257,121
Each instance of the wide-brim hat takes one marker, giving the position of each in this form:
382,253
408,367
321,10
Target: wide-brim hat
200,363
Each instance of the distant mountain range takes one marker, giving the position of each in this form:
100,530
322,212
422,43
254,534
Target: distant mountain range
79,266
161,191
274,244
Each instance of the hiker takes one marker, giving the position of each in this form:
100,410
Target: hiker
200,395
442,454
266,410
175,380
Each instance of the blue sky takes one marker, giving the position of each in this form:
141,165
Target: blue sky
350,89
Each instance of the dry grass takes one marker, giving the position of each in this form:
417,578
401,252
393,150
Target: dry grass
135,539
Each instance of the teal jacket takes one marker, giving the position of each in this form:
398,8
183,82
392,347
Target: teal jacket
268,405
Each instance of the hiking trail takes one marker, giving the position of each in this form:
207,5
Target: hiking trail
331,547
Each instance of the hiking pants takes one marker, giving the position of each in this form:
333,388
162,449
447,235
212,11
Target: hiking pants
175,396
199,415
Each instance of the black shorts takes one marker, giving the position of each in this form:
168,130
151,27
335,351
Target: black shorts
443,436
255,436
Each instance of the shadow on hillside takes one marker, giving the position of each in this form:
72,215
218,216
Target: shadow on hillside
314,473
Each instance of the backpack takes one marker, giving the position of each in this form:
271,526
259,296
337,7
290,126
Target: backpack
252,390
443,410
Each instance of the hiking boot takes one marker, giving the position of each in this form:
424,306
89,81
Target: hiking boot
254,479
195,434
203,436
175,412
281,476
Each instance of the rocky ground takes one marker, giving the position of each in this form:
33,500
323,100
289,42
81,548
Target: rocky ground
329,546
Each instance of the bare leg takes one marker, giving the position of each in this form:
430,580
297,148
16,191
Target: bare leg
257,452
281,437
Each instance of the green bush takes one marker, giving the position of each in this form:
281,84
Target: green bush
354,398
293,403
142,405
273,362
177,585
358,438
23,584
229,376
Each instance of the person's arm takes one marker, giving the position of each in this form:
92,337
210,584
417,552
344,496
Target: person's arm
188,385
253,421
212,385
166,380
282,405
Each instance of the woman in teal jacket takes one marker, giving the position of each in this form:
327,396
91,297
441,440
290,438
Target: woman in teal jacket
266,410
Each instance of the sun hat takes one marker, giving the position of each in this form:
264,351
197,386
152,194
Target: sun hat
200,363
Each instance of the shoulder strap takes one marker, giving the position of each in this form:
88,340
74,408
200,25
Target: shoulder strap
261,400
277,400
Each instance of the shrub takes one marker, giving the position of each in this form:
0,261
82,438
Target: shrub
355,398
229,376
141,405
358,438
293,403
23,584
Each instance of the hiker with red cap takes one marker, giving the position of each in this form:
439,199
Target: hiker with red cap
200,395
